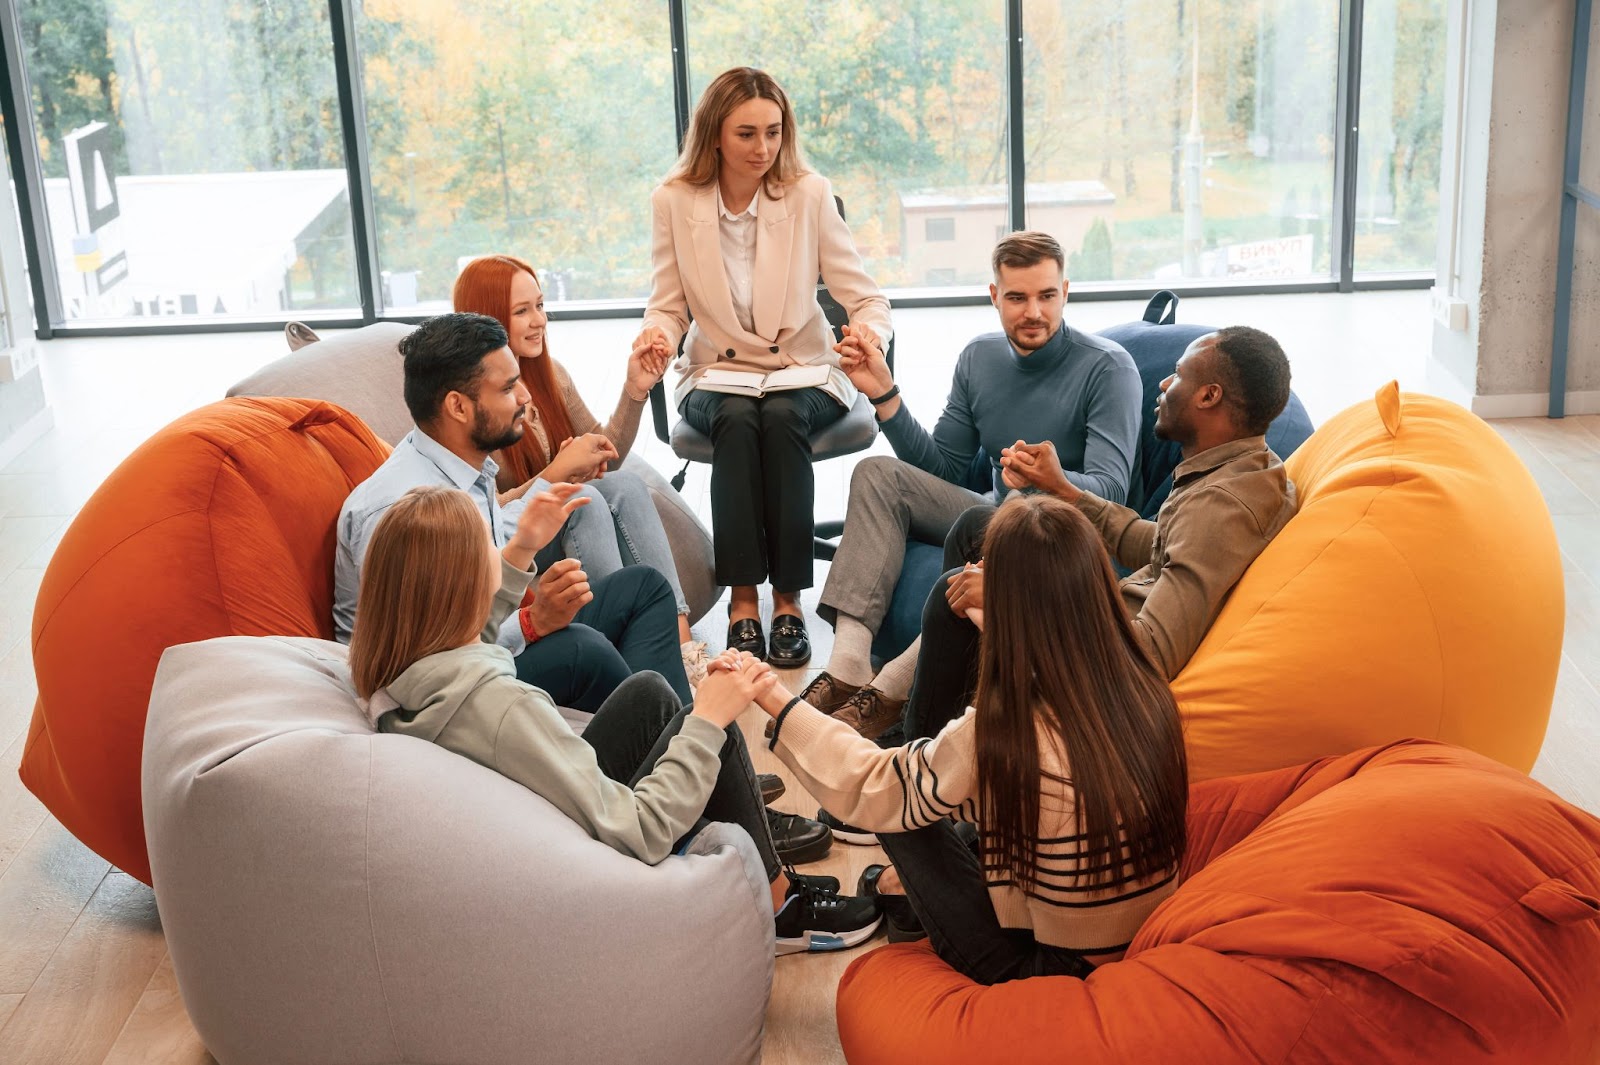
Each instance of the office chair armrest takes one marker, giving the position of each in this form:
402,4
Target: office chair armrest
658,411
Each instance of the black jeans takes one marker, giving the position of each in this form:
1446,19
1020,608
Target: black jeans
763,492
946,676
630,733
629,626
944,883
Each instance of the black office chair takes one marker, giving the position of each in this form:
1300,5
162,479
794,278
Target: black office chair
854,432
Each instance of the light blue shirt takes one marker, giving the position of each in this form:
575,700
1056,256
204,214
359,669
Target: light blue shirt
417,460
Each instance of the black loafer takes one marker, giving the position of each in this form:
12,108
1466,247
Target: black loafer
899,919
747,636
790,647
797,839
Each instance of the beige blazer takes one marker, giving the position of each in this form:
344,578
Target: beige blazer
800,235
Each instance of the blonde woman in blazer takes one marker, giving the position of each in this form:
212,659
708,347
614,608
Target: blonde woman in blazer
742,229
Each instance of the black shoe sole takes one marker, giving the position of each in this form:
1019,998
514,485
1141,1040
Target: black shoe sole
772,787
777,662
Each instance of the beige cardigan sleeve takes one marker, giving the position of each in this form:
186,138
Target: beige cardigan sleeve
842,271
668,306
621,430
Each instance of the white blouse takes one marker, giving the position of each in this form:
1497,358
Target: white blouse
738,233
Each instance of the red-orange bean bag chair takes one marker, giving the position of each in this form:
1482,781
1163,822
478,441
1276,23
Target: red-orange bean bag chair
220,524
1418,592
1409,903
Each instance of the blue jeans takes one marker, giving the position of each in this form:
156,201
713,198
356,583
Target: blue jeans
619,527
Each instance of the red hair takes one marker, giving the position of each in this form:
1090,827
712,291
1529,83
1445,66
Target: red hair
484,287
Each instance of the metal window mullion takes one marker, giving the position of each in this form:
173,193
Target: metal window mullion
1016,147
357,161
1346,144
16,103
1571,187
680,67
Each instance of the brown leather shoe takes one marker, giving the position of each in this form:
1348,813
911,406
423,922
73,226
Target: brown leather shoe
870,712
827,693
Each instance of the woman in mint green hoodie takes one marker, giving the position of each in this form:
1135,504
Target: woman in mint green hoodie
645,773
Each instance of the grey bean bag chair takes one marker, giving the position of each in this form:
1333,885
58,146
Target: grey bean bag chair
361,372
335,896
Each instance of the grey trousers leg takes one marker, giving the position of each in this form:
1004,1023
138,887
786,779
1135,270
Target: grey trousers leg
890,501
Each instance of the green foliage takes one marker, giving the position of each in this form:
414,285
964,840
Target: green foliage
1092,262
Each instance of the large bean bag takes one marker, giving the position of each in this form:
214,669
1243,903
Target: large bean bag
1402,904
1417,592
220,524
362,371
332,896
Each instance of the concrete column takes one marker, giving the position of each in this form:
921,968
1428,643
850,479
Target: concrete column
1500,204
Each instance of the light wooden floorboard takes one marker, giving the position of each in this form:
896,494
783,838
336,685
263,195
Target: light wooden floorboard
158,1029
86,994
84,973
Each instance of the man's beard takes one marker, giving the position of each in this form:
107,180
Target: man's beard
484,440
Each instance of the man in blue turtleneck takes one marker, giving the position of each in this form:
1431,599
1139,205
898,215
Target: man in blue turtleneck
1039,379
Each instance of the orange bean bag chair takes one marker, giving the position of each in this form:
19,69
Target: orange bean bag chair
1418,592
220,524
1408,903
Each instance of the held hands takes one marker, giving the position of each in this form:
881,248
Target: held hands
1024,465
965,593
861,358
581,458
540,520
647,362
734,679
562,591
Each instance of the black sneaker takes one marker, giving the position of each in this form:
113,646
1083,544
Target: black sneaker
899,919
813,921
817,882
797,839
846,833
772,787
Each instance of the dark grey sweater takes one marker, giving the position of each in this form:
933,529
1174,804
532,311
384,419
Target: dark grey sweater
1080,391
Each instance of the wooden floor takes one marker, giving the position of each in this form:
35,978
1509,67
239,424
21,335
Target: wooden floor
84,973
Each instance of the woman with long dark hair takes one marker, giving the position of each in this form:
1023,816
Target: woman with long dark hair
564,442
742,228
1070,764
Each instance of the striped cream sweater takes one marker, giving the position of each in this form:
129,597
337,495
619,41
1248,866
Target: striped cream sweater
908,787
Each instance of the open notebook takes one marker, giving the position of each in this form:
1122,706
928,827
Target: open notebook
745,383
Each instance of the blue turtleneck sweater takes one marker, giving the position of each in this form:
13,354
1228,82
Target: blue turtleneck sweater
1080,391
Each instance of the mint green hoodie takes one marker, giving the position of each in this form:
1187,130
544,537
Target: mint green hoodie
470,701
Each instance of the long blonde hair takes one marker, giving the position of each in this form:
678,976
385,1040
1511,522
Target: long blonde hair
698,163
426,585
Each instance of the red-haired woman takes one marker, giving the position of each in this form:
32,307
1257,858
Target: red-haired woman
742,228
1070,763
564,442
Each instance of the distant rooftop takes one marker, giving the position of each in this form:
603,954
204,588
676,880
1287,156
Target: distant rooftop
1039,194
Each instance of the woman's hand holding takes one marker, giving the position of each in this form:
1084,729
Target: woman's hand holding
861,358
646,365
581,458
734,679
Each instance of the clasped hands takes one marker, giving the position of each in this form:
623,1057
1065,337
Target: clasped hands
964,593
734,680
1024,465
581,458
862,360
647,362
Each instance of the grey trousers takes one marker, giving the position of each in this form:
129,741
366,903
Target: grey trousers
890,502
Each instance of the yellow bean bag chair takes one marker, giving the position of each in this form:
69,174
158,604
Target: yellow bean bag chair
1418,592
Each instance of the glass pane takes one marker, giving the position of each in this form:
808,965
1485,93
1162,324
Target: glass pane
901,107
1401,129
1145,167
534,129
192,157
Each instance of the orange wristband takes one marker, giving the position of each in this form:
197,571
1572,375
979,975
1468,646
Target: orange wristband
525,619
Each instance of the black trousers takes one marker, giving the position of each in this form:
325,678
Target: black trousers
944,883
946,677
763,493
630,625
630,733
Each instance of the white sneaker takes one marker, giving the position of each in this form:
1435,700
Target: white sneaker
694,661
